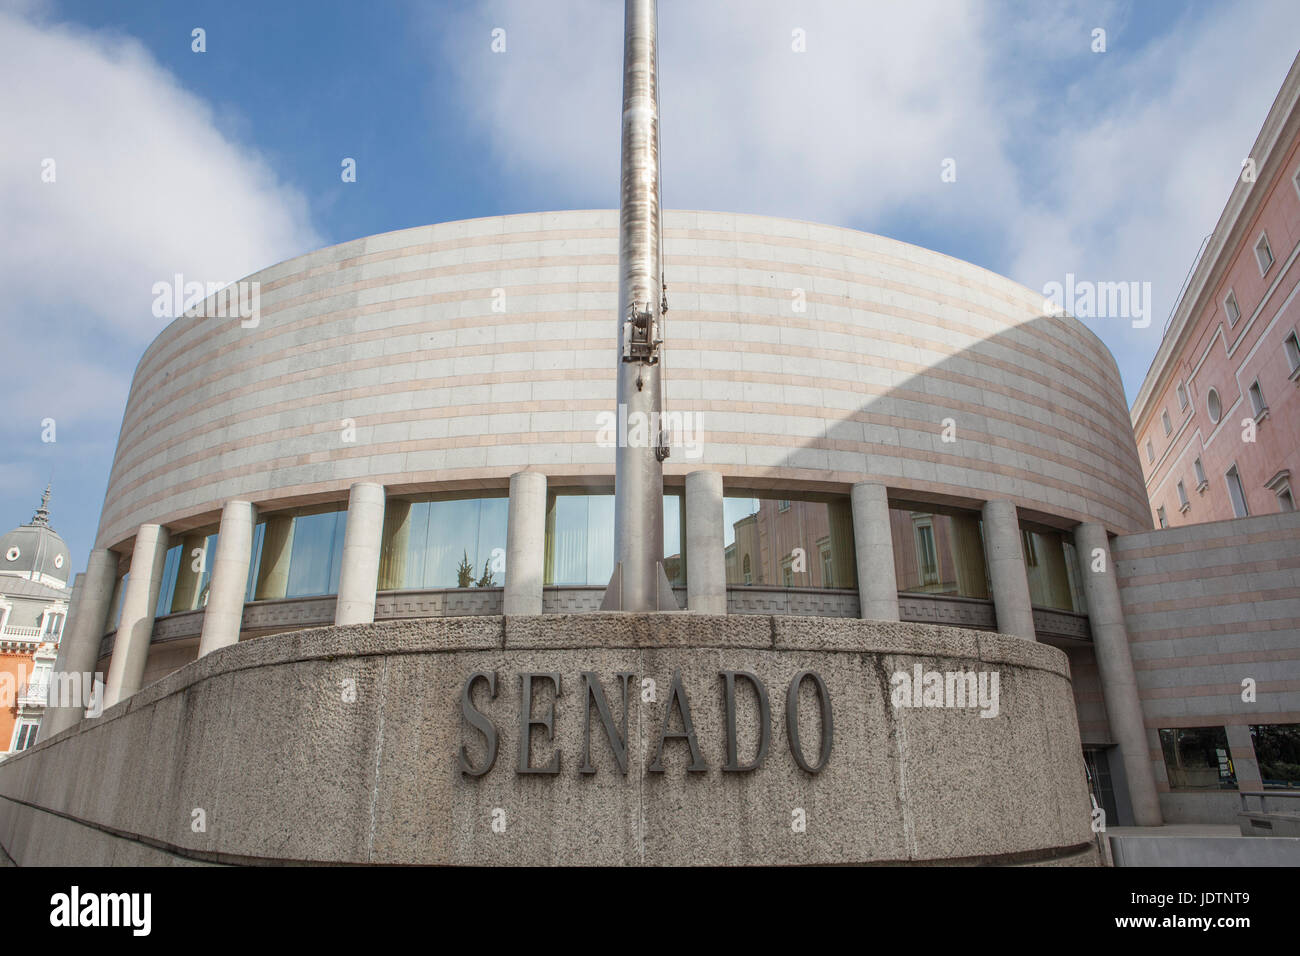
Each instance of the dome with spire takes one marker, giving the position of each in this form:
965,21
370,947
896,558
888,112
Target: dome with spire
35,551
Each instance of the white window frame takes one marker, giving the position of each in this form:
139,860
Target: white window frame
1213,395
1162,519
1258,406
1164,420
1183,503
18,729
1151,453
1268,247
1182,397
1291,347
1234,474
1280,485
1201,481
1232,308
1295,181
828,565
923,536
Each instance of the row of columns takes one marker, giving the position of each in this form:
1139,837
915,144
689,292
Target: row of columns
525,558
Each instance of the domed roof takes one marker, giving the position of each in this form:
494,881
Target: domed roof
35,551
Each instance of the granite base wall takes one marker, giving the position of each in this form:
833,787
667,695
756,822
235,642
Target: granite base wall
340,745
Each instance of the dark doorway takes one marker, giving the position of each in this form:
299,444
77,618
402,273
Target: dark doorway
1095,760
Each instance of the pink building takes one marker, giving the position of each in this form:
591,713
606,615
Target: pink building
1217,419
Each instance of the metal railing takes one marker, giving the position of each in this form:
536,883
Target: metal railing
1182,290
34,694
1263,800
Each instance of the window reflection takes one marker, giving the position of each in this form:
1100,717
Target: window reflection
297,553
580,539
939,552
1277,748
1052,568
1198,758
785,542
444,543
187,572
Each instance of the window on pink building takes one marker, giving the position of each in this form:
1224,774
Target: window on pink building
1263,253
1292,348
1231,309
1257,404
1236,492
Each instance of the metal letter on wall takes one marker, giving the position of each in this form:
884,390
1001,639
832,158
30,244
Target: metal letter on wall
527,722
764,720
678,696
479,722
792,722
617,743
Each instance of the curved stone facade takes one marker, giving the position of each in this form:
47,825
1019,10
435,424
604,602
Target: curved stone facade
467,351
413,429
287,765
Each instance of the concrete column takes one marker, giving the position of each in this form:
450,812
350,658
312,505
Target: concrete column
877,579
79,649
135,626
74,602
525,543
1245,762
224,614
1006,562
1115,666
706,562
362,541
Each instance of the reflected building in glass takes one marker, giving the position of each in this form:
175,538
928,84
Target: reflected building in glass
789,543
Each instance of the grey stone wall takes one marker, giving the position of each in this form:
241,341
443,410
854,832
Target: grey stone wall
1208,606
341,744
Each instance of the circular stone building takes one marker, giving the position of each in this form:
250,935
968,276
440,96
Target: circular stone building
407,442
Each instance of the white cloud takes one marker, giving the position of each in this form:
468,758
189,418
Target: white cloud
843,131
146,186
1136,185
1111,166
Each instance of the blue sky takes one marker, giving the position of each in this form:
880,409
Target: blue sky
1109,165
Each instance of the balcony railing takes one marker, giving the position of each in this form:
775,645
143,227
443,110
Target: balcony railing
35,694
26,633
